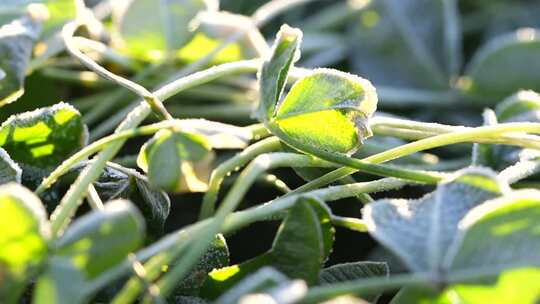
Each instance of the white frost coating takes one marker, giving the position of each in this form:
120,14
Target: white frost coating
6,163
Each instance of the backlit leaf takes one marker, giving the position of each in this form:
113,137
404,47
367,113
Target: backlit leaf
40,140
177,161
91,245
150,29
328,109
24,231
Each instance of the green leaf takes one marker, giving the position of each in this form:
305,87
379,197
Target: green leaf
24,231
177,161
216,257
9,170
499,234
413,44
117,182
354,271
42,139
513,286
517,54
16,42
430,224
328,109
150,29
302,244
274,72
219,135
91,245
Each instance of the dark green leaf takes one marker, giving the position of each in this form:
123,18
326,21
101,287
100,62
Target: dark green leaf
16,42
177,161
352,271
40,140
328,109
414,43
9,170
117,182
24,231
216,257
274,72
517,54
302,244
91,245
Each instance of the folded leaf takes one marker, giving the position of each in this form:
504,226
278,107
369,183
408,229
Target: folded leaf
24,231
177,161
274,72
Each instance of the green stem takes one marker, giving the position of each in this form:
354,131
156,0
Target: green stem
71,200
372,285
237,220
360,165
350,223
465,135
98,146
233,164
258,166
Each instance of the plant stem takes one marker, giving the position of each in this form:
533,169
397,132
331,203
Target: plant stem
70,201
465,135
360,165
71,45
233,164
98,146
258,166
372,285
238,220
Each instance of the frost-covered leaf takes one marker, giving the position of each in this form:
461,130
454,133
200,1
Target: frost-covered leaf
328,109
302,244
177,161
421,231
150,29
517,54
16,42
9,170
500,234
274,72
42,139
24,231
91,245
407,43
217,256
